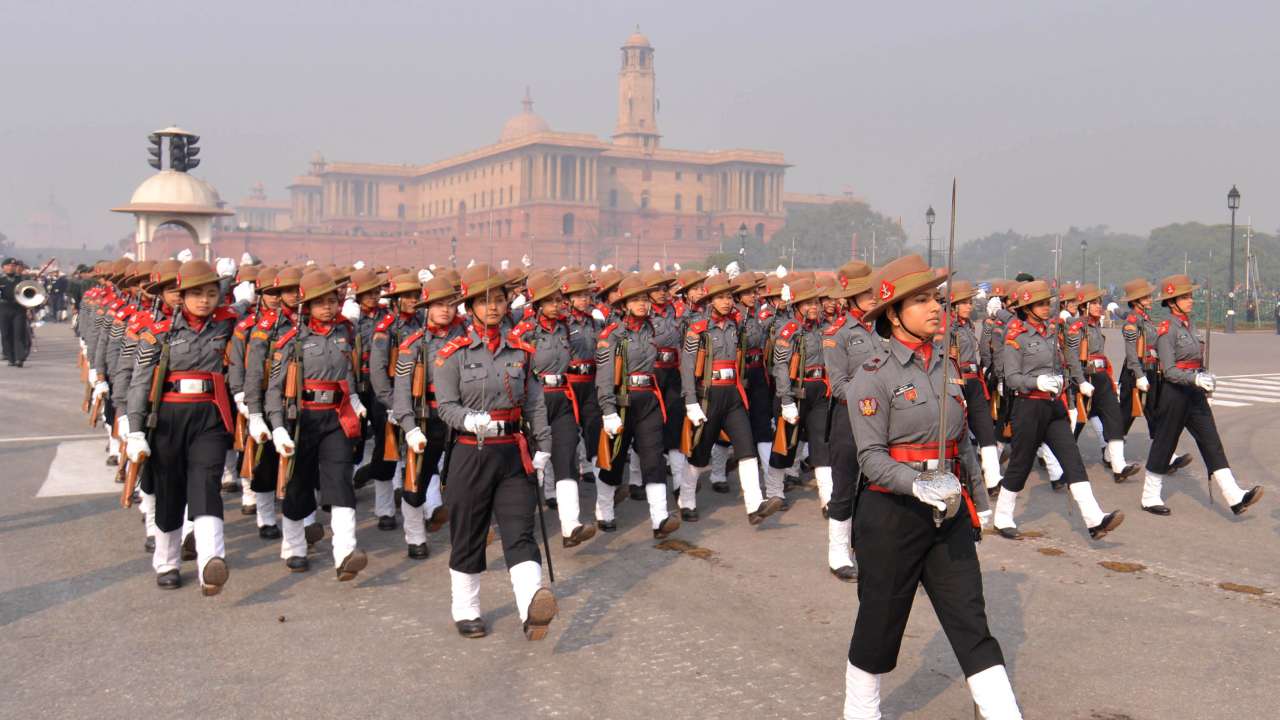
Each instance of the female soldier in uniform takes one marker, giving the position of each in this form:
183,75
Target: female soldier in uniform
977,397
485,391
915,523
583,329
315,414
190,425
1141,371
402,321
801,337
1184,403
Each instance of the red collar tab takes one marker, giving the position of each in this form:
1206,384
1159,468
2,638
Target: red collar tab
319,328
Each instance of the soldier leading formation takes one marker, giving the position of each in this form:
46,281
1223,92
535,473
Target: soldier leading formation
471,400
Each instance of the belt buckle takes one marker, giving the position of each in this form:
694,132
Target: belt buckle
552,380
190,386
639,380
666,356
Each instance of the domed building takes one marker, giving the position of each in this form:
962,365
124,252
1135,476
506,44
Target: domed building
559,197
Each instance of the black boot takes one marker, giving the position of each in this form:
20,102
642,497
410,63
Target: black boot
1128,471
386,522
1252,496
351,565
170,580
848,573
666,527
607,525
636,492
767,508
189,547
269,532
298,564
580,534
1110,522
689,514
720,487
471,628
150,544
419,551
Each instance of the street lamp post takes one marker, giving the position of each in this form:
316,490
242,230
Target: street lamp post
742,244
1084,248
929,217
1233,203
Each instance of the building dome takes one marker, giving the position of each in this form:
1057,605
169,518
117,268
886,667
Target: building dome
637,39
173,191
526,122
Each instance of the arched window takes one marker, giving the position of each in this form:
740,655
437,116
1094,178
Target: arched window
566,224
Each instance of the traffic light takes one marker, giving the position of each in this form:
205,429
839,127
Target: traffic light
192,152
178,153
155,151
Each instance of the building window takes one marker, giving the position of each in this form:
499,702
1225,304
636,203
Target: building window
511,192
400,211
566,224
679,232
700,234
502,197
679,202
647,174
644,200
401,187
699,177
679,176
613,198
699,203
613,170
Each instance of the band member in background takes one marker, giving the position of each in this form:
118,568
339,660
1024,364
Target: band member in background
1184,403
915,524
15,330
180,417
485,391
315,415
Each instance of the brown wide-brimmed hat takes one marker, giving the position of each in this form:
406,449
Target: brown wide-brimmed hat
1088,292
195,273
1138,288
140,273
541,285
827,286
716,284
901,279
515,276
340,275
266,275
119,269
962,290
607,280
745,282
657,279
1176,286
853,278
1000,287
247,273
286,278
366,280
631,286
480,279
772,286
406,284
438,289
1031,292
688,279
316,283
164,273
573,282
803,290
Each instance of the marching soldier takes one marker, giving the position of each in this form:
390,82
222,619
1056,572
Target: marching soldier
976,393
1140,377
710,365
15,332
846,345
1184,403
549,334
755,377
669,320
402,321
632,405
485,391
315,417
803,392
415,410
261,480
1032,371
178,405
1089,366
915,520
366,287
583,330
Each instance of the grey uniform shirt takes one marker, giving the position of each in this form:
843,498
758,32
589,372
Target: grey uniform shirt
324,357
997,326
389,333
1028,353
1137,324
1083,332
554,349
723,341
846,345
419,348
469,378
189,350
273,325
583,330
1178,342
641,353
793,337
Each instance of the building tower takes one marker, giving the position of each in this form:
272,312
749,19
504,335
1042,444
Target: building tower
637,96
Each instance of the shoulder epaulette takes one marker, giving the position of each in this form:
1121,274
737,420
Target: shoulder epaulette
123,314
385,323
1164,327
138,322
1131,318
528,312
519,330
514,341
454,346
409,341
874,362
1076,327
608,330
247,322
284,339
680,309
698,327
224,313
765,314
267,320
788,330
834,327
162,326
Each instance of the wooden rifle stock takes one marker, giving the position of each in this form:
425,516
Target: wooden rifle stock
1135,403
88,398
95,412
250,456
410,470
238,441
131,481
686,437
391,443
780,437
283,470
604,452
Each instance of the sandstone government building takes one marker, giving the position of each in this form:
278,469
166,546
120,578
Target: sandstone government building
558,197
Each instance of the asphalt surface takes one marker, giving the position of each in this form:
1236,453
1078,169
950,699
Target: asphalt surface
732,621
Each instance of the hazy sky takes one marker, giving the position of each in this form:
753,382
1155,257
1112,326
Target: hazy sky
1129,114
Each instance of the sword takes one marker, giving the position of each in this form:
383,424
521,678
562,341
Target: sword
940,516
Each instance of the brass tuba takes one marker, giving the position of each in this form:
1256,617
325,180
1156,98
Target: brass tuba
30,294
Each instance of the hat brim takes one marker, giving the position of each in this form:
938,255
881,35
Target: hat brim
381,283
1148,291
1179,293
1037,298
475,290
856,286
1091,297
319,292
623,297
453,299
902,293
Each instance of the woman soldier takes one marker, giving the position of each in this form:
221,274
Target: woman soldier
414,410
977,398
846,345
366,288
583,330
1184,403
1032,373
1141,371
315,415
178,397
915,523
547,332
402,321
261,485
669,321
1087,360
632,403
485,391
801,338
755,378
715,401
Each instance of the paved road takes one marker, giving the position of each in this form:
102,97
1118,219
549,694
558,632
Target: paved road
745,622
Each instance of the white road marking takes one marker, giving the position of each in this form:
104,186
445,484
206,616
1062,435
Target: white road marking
78,468
1227,403
1245,390
45,438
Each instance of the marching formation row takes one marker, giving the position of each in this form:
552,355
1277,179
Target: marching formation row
465,398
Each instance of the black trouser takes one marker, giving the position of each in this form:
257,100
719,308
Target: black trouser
588,415
642,426
14,333
669,381
379,469
564,435
844,465
265,472
487,484
813,407
1106,406
189,447
898,549
437,441
979,413
760,403
321,460
1129,383
724,412
1184,406
1035,422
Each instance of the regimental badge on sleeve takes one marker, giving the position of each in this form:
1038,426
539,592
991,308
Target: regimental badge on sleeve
868,406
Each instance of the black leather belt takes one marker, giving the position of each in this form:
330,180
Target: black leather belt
189,387
323,397
554,380
640,380
505,427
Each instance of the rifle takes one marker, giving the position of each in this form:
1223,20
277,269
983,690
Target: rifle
689,435
292,412
609,447
1139,398
131,481
421,409
947,336
95,411
1208,316
784,440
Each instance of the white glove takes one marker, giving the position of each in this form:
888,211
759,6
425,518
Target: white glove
226,267
693,411
1051,384
93,376
1112,307
240,406
994,305
1072,417
519,302
595,313
1206,381
258,429
122,425
135,446
359,265
283,443
184,255
358,406
244,293
612,424
351,310
1000,387
1143,384
100,389
84,349
984,518
1086,388
476,423
540,460
1064,315
416,440
933,493
425,275
790,413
